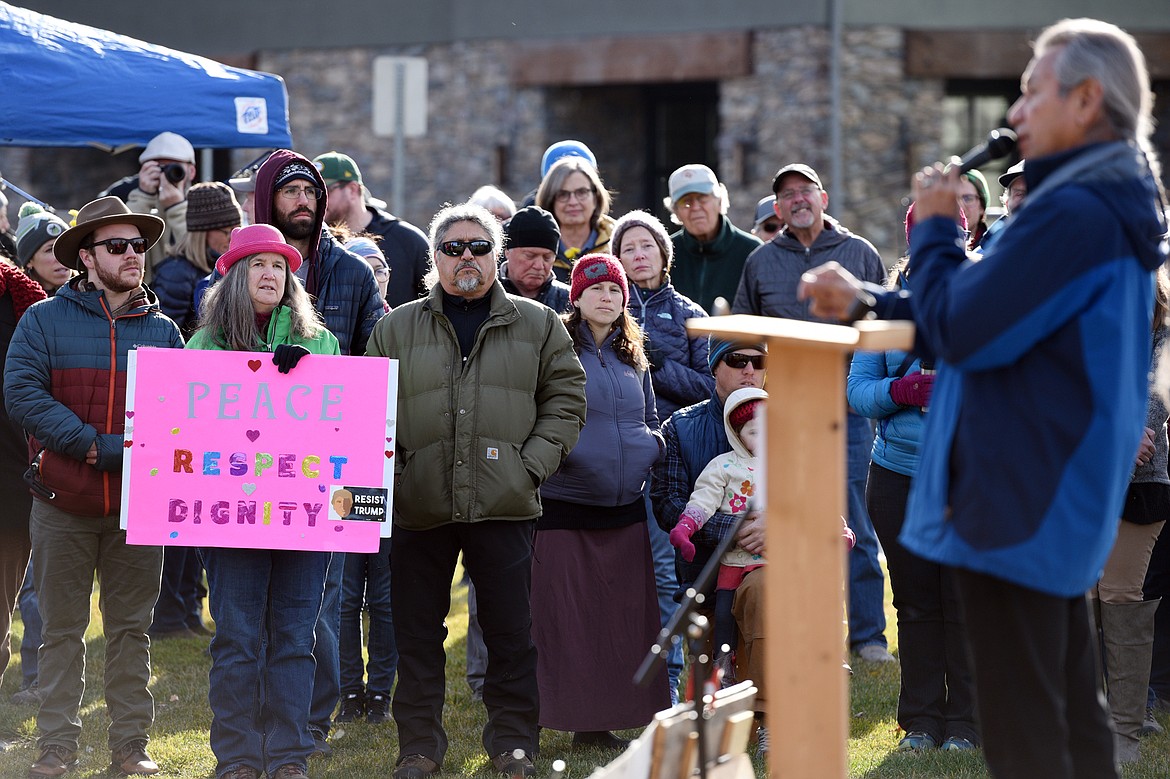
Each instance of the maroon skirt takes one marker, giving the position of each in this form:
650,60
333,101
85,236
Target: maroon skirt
594,617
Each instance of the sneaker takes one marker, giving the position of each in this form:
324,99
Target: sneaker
876,653
916,741
243,772
353,706
27,696
602,739
321,746
415,767
514,763
762,740
377,709
55,760
290,771
131,759
1150,726
956,744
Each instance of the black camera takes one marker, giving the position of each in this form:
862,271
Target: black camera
175,172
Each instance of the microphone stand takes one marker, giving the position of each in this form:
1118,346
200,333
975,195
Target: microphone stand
696,626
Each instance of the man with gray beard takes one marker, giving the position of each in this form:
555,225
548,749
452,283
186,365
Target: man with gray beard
491,398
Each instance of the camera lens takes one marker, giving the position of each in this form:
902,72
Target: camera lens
174,172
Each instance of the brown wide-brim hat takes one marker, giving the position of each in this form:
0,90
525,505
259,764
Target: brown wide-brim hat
108,210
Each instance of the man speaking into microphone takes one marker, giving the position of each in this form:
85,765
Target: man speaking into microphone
1042,350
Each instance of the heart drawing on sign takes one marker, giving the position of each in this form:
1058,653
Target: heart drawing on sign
248,487
254,365
252,435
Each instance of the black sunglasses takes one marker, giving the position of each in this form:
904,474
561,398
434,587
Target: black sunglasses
740,361
118,245
479,247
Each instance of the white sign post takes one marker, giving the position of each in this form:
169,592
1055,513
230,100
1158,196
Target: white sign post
400,109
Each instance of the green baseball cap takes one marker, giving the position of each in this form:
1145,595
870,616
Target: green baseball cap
335,166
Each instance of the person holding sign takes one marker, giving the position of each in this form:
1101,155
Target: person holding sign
264,602
62,383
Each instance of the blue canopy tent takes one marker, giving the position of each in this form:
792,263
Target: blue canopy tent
67,84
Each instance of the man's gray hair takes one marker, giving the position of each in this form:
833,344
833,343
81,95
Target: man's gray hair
1106,53
463,212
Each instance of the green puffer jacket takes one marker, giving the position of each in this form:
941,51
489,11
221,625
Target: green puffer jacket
476,440
278,333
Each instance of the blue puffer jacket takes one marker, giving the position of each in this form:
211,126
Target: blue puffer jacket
899,428
620,440
683,377
65,384
347,295
174,282
1044,348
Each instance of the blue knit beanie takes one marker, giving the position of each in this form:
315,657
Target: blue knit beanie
719,347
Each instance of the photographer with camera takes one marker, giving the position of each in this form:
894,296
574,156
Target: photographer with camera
167,172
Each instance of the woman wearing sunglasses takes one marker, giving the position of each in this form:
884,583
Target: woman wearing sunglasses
264,602
594,605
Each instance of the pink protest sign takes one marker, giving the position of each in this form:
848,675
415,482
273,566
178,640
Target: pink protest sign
222,450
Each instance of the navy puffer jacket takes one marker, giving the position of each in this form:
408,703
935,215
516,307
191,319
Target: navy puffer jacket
680,373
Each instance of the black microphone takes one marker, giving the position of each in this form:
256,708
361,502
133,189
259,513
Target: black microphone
999,144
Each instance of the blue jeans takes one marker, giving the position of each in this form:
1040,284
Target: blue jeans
264,604
180,598
666,582
867,616
366,580
327,678
30,643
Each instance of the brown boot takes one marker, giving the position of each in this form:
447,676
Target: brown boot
131,759
55,760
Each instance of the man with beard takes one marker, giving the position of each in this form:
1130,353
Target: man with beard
476,438
291,196
768,288
65,371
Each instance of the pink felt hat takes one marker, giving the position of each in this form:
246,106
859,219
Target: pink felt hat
257,239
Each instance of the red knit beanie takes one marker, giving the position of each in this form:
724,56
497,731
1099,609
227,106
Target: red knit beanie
594,269
741,414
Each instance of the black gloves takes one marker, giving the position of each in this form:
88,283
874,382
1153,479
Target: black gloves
286,356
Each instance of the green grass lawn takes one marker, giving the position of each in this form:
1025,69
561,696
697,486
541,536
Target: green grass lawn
362,751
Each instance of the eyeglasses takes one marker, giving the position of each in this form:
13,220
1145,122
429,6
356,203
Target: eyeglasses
294,192
740,361
582,194
698,201
790,194
118,245
382,273
769,227
479,247
968,200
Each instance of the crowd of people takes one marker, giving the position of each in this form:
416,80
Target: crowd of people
562,433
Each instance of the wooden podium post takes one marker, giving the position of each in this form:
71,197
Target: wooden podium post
807,692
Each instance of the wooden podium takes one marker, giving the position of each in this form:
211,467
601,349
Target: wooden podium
806,685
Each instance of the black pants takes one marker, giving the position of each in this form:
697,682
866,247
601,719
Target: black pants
1037,682
936,695
498,558
1158,586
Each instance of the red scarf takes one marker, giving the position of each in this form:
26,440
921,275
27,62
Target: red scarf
23,290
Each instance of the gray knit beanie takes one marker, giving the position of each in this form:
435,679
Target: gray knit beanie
651,223
36,226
